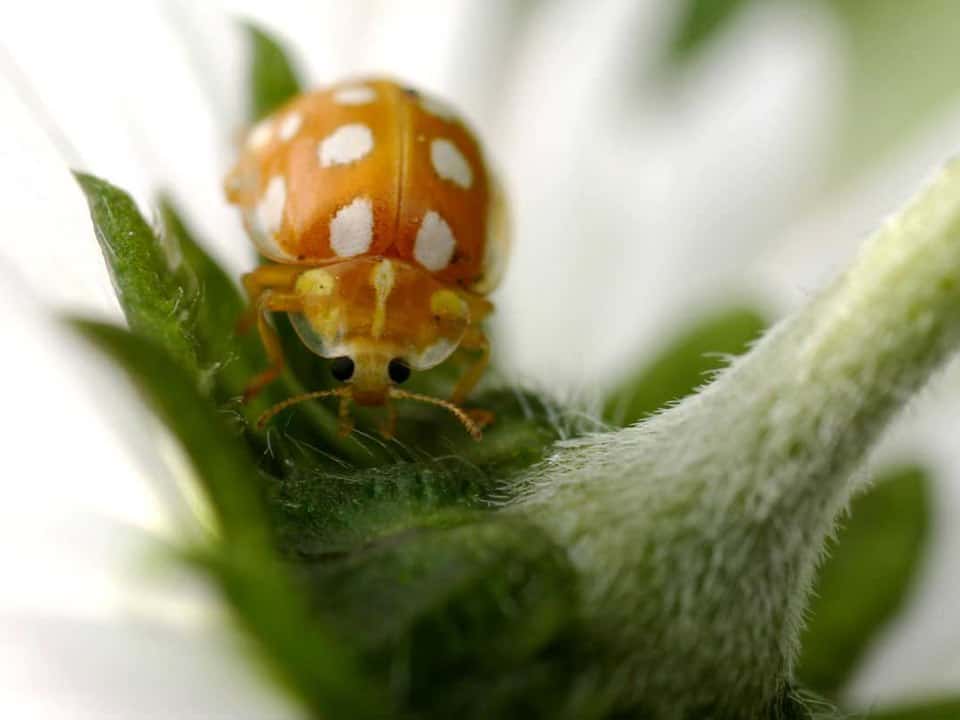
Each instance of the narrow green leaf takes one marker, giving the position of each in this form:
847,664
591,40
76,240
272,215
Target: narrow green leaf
231,359
301,651
222,461
273,79
699,21
936,710
684,365
157,296
866,577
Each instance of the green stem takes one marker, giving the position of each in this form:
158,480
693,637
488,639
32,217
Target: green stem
698,532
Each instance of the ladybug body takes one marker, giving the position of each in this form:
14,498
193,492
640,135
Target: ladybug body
384,231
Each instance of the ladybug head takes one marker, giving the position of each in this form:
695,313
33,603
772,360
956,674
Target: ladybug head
378,319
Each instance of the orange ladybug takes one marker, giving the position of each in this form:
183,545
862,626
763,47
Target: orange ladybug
385,231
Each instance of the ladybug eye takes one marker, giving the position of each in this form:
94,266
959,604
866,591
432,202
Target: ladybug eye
398,370
341,368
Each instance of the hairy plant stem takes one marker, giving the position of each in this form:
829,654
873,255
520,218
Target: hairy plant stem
697,532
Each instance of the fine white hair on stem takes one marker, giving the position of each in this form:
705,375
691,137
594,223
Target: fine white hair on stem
698,531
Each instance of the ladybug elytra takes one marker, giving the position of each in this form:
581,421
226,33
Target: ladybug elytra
384,232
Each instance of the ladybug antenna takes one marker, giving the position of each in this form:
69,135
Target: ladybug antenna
468,423
341,392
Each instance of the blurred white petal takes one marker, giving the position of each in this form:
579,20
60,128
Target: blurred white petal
85,630
633,211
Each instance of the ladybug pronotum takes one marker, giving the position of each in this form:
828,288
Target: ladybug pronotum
384,230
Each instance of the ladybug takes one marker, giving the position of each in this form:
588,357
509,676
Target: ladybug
383,229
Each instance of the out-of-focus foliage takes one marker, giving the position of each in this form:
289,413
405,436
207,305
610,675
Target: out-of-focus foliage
684,364
899,75
942,710
273,78
866,577
698,21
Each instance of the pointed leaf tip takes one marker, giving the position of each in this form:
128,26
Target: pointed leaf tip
157,295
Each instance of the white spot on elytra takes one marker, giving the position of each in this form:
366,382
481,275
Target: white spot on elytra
346,144
266,218
261,134
290,126
270,210
449,163
434,245
351,230
354,95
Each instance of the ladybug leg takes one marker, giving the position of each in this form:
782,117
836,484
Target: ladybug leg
346,420
256,283
474,339
271,301
389,426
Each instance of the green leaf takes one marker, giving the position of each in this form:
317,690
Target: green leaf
301,651
866,577
435,467
158,297
936,710
232,360
700,21
458,610
221,460
273,79
685,364
526,425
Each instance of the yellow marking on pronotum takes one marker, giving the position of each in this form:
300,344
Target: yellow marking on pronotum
382,278
315,282
447,304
